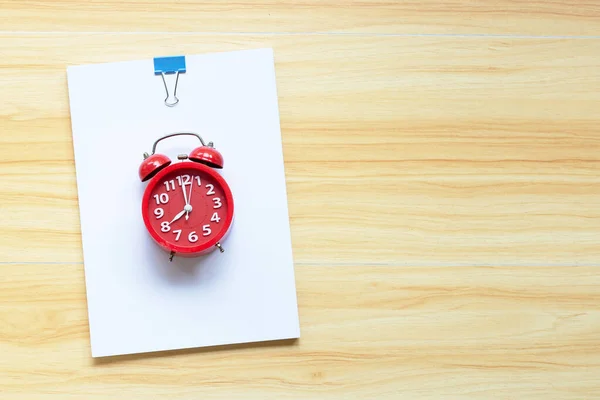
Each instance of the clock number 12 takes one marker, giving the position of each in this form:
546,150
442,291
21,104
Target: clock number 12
184,180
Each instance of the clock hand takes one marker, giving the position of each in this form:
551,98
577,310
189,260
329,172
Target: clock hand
189,197
184,194
177,217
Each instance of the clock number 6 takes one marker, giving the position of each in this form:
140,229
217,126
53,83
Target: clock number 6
192,237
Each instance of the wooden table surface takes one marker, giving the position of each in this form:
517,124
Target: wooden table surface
443,169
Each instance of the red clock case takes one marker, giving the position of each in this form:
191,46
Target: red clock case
204,160
201,248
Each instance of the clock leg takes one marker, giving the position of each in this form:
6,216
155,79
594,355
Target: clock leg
221,249
171,256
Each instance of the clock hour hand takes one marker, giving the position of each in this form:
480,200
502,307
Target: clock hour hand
177,217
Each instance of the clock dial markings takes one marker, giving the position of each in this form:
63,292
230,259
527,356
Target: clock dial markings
178,233
163,198
209,206
170,185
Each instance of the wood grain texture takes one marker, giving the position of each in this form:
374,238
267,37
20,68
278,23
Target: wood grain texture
367,332
413,151
512,17
443,193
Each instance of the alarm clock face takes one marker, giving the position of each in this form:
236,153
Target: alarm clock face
187,208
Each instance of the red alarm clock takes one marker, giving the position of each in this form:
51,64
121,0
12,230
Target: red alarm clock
187,207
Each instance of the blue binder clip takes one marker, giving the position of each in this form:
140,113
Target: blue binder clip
168,66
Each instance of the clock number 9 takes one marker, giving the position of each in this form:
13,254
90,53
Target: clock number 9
159,212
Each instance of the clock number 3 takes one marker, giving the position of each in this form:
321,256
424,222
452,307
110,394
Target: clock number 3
218,203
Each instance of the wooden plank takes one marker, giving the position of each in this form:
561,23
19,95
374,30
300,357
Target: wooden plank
368,331
507,17
414,151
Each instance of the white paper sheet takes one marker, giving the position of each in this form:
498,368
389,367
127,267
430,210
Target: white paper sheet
137,300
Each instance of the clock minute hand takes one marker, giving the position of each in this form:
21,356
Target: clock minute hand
185,197
188,206
177,217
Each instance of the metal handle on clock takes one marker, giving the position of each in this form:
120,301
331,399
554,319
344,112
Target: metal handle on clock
177,134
